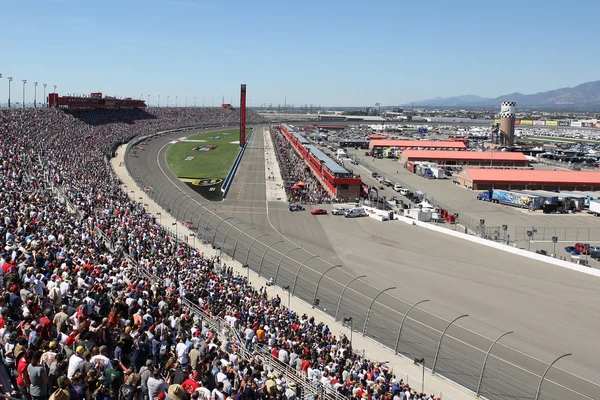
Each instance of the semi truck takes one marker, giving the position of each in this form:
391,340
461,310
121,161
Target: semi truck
595,207
511,198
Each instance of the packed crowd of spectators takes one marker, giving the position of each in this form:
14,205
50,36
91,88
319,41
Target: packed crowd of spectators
299,182
79,320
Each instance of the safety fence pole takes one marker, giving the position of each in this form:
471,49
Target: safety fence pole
238,239
371,306
319,282
250,247
337,310
265,252
477,392
298,272
437,352
217,228
402,323
537,393
281,259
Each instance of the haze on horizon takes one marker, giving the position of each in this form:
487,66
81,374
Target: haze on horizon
333,52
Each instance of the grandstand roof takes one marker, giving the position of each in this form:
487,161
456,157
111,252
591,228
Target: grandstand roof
418,143
463,155
324,158
478,175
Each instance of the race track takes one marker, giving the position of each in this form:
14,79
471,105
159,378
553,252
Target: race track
552,310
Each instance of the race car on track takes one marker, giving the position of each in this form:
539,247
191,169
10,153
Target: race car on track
338,211
296,207
189,224
318,211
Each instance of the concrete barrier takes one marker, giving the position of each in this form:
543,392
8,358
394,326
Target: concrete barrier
503,247
227,182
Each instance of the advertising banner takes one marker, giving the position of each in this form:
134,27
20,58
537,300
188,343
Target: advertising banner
587,124
576,124
564,123
538,122
551,123
597,125
496,121
518,122
526,122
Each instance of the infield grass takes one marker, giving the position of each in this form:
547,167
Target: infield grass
214,163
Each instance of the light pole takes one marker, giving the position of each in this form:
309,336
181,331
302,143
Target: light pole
194,101
167,101
185,101
159,100
421,362
287,289
10,79
159,218
54,88
175,223
349,321
176,100
148,105
35,94
24,82
45,101
203,101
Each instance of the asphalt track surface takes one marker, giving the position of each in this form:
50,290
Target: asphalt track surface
552,310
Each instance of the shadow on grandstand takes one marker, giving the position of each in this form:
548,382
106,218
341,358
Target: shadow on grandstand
102,116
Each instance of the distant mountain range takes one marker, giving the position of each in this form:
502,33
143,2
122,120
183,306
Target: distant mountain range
587,94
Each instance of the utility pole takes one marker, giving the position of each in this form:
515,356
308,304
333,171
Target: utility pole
45,100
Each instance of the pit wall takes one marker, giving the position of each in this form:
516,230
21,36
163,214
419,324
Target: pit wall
227,183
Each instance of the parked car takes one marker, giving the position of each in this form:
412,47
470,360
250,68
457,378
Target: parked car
581,248
318,211
572,250
339,211
355,213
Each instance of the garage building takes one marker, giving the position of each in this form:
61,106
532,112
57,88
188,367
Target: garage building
511,179
467,158
416,145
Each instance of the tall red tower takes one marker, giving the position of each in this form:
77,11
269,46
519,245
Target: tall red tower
243,115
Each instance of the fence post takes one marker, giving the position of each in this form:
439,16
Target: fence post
298,272
281,259
202,215
437,352
337,310
208,222
238,239
249,247
265,252
537,393
228,229
371,306
402,323
319,282
217,229
485,361
176,200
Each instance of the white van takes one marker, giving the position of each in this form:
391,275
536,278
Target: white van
355,212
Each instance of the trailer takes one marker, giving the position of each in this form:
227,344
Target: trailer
438,173
595,207
512,198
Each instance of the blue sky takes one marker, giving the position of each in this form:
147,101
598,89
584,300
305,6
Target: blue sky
328,52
